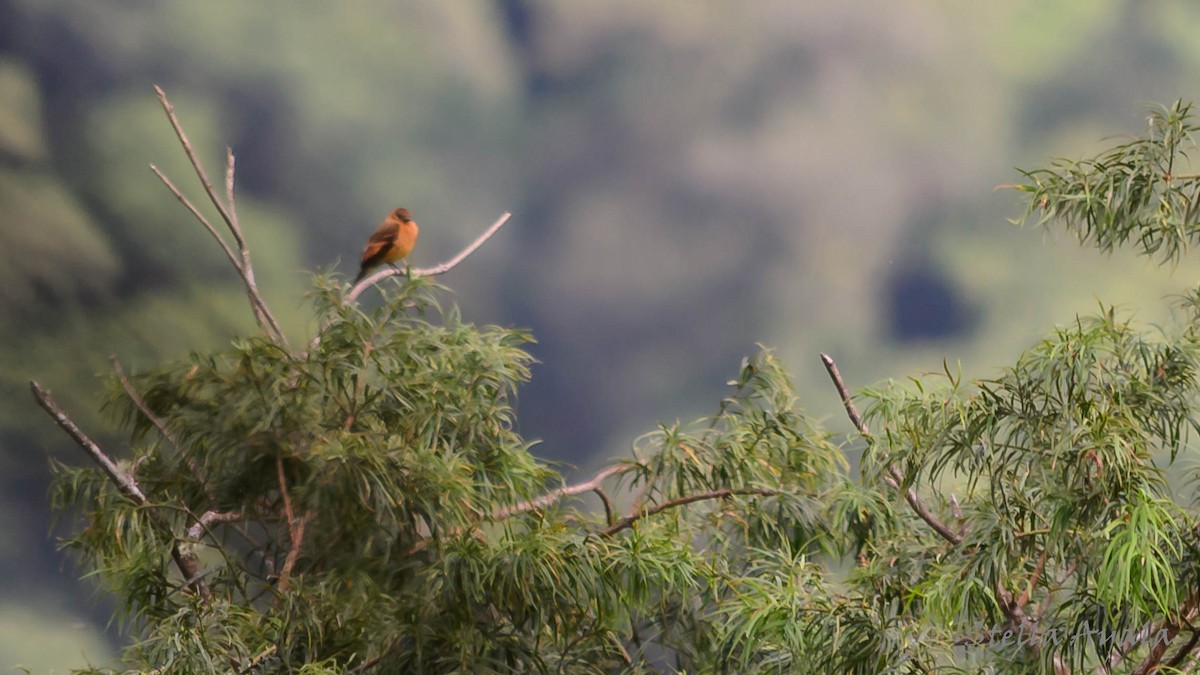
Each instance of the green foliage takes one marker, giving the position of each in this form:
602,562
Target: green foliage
1134,192
367,504
392,445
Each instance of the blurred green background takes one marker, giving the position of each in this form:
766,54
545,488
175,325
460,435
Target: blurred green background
686,179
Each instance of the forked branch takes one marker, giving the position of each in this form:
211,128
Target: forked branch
555,495
228,212
893,478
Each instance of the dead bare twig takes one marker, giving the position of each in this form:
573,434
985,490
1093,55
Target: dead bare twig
197,472
188,564
228,212
893,478
434,271
592,485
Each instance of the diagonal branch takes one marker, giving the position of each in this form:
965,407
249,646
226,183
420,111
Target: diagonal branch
210,518
191,154
628,521
197,473
553,496
124,482
198,215
188,564
894,478
428,271
228,212
1169,629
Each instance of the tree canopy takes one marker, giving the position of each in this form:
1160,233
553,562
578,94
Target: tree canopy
364,501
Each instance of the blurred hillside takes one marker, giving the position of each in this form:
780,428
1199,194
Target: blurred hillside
686,180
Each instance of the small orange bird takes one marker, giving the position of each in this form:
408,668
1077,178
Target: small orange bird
393,240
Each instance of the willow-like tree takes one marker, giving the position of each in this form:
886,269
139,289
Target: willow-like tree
363,502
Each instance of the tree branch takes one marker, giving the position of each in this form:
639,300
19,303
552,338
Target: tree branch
188,564
553,496
295,527
124,482
1158,648
210,518
434,271
228,212
894,477
197,472
254,661
198,215
289,563
628,521
1184,651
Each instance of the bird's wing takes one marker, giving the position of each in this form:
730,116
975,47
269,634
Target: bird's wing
380,242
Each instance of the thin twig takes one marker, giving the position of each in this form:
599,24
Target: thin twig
628,521
844,394
894,477
187,563
625,657
608,506
368,664
434,271
199,216
1033,580
254,661
197,472
235,227
228,212
210,518
287,500
295,527
453,262
191,153
124,482
644,493
566,491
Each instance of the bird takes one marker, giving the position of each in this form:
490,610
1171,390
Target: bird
393,240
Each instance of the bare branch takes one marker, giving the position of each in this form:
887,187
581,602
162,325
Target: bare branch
608,506
453,262
233,219
628,521
191,153
295,527
197,472
228,212
553,496
210,518
287,500
199,216
894,477
254,661
123,481
644,493
434,271
188,564
844,394
370,663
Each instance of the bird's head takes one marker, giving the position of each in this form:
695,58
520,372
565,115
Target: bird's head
402,215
